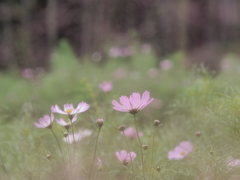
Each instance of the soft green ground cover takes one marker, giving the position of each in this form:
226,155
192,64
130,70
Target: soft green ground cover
191,101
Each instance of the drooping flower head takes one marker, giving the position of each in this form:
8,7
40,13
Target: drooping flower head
106,86
65,124
131,133
45,122
68,109
133,104
77,136
125,157
180,151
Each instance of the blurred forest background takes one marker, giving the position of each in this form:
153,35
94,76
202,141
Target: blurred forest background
203,29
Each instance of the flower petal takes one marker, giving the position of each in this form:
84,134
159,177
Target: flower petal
125,102
135,100
118,106
39,125
61,122
82,107
118,156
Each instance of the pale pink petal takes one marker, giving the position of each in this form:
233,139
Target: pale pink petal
82,107
125,102
145,104
120,109
118,156
135,100
61,122
145,97
124,154
132,155
39,125
74,118
52,117
118,106
186,145
43,122
56,109
174,155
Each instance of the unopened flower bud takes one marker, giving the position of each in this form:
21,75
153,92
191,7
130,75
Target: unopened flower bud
48,156
65,134
198,133
145,147
158,168
156,122
211,152
122,128
99,122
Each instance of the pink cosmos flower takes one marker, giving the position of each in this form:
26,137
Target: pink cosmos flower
131,133
233,162
45,122
69,109
77,136
65,124
133,104
106,86
180,151
125,157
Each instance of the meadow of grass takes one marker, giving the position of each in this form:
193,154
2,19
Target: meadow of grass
186,101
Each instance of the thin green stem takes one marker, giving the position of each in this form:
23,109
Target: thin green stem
95,150
58,144
152,151
135,122
130,154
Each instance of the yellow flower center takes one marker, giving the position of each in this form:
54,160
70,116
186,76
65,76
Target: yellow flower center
182,153
69,111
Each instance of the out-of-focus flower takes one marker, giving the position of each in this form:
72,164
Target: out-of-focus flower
31,74
106,86
125,157
146,48
28,73
127,51
180,151
131,133
70,110
116,51
76,137
233,162
65,124
45,122
153,73
120,73
133,104
166,64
